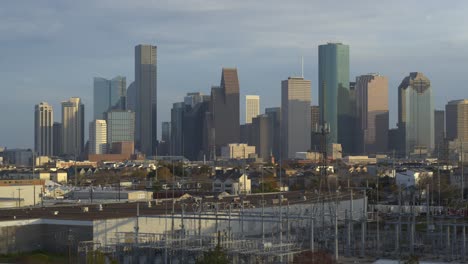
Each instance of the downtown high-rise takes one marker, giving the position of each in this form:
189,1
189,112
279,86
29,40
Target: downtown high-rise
372,114
456,112
224,109
415,115
295,114
72,127
335,109
252,107
43,129
146,98
98,137
108,95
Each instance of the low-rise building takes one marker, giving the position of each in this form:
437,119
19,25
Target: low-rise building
237,151
26,192
113,194
351,160
232,182
312,156
411,177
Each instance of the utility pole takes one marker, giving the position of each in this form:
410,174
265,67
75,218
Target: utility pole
462,174
19,197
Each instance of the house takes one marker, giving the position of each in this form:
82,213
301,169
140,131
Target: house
232,182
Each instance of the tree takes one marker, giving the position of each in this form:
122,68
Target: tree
216,256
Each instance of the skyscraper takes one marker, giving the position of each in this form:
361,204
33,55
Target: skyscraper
274,115
166,131
225,125
372,113
109,94
43,129
457,120
252,107
261,134
72,127
131,98
57,138
177,128
295,114
416,114
439,129
315,140
194,118
146,98
98,137
334,93
120,127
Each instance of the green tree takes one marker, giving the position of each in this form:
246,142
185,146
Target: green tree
216,256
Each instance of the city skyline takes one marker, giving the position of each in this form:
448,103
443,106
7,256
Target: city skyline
368,54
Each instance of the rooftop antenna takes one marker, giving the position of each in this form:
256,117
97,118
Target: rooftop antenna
302,66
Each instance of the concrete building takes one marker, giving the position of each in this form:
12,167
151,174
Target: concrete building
416,115
261,137
98,137
57,144
224,109
56,176
252,107
353,160
232,182
439,129
274,115
26,192
72,127
372,113
120,127
312,156
18,157
109,94
43,129
146,98
334,93
237,151
295,114
457,120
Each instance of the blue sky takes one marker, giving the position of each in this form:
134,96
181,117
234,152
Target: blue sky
51,50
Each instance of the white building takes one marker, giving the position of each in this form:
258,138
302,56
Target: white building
411,177
351,160
237,151
252,107
233,182
98,137
24,192
314,156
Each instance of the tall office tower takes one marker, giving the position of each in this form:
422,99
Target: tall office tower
439,129
43,129
315,139
109,94
192,99
120,127
194,118
416,115
146,98
274,115
98,137
261,136
457,120
72,127
57,144
252,107
166,131
131,97
295,114
225,110
372,116
334,93
177,129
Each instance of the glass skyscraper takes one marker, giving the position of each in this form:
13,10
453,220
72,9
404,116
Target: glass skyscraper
109,94
334,93
416,115
120,126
